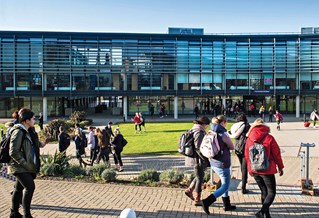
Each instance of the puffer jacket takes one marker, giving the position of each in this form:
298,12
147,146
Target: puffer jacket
199,133
273,151
226,144
21,152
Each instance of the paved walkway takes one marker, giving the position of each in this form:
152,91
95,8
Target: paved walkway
75,199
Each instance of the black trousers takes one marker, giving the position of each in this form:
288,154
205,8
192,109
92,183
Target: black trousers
267,186
244,172
25,181
117,156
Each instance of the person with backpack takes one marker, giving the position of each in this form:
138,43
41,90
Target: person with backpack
221,165
63,140
270,151
239,131
23,163
198,161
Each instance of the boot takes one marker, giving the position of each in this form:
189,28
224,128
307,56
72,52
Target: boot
189,193
227,205
197,201
259,214
207,202
15,214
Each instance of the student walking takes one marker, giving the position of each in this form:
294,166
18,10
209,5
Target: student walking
109,130
41,121
279,118
79,147
91,142
199,162
221,165
314,116
239,131
104,144
63,140
137,121
266,179
142,121
270,113
117,146
23,164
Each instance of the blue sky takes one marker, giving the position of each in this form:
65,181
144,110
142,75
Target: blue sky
149,16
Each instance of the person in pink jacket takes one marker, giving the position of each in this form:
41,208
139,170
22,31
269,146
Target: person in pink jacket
265,179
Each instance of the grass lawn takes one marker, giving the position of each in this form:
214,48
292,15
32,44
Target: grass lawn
159,138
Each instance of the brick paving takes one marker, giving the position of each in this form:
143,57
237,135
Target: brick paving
77,199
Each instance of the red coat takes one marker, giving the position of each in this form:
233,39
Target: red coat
272,149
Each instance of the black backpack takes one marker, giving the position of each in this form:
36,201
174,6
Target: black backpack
186,144
241,141
5,147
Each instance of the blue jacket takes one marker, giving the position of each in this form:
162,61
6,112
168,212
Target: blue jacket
225,143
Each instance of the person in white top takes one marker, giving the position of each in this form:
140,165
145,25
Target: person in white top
91,142
314,116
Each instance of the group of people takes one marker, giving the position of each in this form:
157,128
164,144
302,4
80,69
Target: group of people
100,143
245,136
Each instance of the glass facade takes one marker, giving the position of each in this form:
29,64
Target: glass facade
150,67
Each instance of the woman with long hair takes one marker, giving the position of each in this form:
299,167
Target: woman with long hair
23,163
239,131
199,162
221,164
104,144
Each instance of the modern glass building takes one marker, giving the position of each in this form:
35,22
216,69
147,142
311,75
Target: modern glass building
55,71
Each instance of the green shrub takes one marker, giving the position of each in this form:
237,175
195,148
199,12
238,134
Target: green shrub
108,175
96,171
84,123
51,130
70,123
74,171
54,165
77,116
171,176
148,175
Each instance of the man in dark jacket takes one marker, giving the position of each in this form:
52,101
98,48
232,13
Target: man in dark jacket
63,140
108,129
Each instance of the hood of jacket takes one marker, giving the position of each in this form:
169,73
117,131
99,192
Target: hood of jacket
198,127
217,128
18,126
259,131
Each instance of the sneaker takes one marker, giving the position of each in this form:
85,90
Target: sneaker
121,169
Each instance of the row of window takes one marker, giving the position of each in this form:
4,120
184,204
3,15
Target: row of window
184,57
156,81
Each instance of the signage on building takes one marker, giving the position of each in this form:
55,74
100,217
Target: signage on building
186,31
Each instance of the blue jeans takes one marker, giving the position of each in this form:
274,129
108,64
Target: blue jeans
224,174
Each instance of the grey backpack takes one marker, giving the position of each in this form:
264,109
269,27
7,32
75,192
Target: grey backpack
259,160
